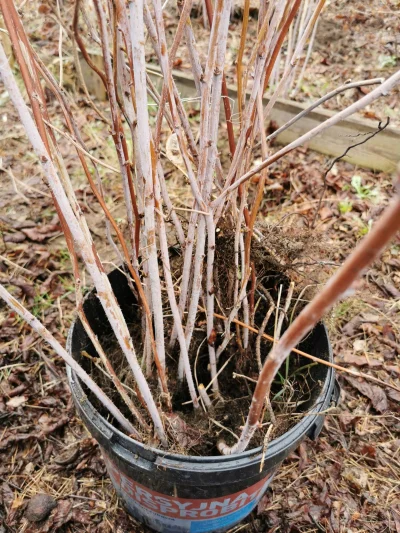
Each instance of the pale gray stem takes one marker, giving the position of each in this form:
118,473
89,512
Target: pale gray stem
163,55
83,242
306,60
245,302
172,300
320,101
341,115
144,155
48,337
232,315
211,146
168,204
187,269
210,289
197,277
284,311
260,334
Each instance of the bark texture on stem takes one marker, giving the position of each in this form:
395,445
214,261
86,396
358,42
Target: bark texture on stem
83,243
37,326
337,287
353,108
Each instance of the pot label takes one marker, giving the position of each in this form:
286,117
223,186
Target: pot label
183,515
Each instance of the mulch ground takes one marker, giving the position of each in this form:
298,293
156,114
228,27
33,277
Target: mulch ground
348,480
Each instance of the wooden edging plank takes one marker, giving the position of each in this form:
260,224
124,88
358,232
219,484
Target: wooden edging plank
382,153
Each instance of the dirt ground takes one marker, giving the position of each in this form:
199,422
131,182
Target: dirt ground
348,480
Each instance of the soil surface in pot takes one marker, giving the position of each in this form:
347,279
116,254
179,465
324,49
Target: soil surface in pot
279,258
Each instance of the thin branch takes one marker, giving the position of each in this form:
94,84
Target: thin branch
334,161
239,61
148,167
48,337
341,115
322,100
261,331
337,287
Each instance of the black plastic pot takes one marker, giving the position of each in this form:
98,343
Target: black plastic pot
187,494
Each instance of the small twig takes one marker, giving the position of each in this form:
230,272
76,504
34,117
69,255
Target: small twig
278,304
284,311
204,396
265,445
312,357
14,183
191,210
79,147
6,260
224,428
235,375
78,497
262,329
380,128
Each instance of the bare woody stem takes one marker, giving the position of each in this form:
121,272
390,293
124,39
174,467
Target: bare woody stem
82,241
48,337
357,106
171,295
224,90
149,169
337,287
320,101
239,74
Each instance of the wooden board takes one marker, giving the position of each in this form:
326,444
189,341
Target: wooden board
382,153
93,82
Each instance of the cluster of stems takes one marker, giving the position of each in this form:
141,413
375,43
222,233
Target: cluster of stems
274,64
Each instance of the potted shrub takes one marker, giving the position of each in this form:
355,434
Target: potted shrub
175,358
